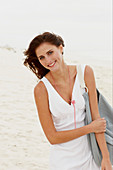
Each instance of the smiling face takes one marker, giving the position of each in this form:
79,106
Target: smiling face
49,55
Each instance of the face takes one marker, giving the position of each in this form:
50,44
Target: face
49,55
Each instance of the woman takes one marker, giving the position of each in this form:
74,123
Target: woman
61,107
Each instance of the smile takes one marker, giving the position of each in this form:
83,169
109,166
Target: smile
52,64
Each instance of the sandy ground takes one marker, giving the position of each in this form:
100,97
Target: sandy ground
23,145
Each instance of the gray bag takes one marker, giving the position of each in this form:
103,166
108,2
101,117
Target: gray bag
105,111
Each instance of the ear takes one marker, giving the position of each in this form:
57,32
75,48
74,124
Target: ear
61,49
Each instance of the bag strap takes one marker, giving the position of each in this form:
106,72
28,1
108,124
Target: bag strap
81,77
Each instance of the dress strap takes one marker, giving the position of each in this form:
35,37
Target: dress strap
81,76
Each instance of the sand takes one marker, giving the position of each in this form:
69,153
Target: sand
23,145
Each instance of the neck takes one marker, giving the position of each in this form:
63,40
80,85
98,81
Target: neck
61,73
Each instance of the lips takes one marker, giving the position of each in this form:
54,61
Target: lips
51,64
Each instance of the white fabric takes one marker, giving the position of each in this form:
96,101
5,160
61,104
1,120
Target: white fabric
81,77
75,154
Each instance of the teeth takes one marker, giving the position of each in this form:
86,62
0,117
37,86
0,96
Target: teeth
52,64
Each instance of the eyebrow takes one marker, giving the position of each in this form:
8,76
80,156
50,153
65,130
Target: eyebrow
46,53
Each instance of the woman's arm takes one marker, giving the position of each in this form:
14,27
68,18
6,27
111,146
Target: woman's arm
90,83
55,137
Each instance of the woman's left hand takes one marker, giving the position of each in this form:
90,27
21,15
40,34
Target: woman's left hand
106,164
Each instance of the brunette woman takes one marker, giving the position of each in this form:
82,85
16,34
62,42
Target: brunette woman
61,106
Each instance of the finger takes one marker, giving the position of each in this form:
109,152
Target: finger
102,168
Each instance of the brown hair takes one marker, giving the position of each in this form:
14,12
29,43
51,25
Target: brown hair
31,61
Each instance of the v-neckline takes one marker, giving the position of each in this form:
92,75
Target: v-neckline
59,94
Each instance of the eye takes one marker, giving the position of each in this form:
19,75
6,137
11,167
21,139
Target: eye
42,57
50,52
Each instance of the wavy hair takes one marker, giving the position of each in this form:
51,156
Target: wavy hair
31,61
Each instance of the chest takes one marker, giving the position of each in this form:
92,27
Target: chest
60,108
65,92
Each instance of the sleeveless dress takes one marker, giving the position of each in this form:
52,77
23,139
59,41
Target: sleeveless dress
74,154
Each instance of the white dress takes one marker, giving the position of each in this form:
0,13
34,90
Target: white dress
75,154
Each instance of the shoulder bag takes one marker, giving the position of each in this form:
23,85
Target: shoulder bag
105,111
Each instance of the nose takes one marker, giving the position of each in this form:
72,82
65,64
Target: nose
48,59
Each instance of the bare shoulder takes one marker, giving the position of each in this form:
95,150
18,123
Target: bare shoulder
89,76
40,92
88,72
39,88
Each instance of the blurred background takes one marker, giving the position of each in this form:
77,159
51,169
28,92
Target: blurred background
86,27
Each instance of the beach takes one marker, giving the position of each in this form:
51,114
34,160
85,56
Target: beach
23,143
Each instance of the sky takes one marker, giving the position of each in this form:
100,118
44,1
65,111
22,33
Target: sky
85,25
